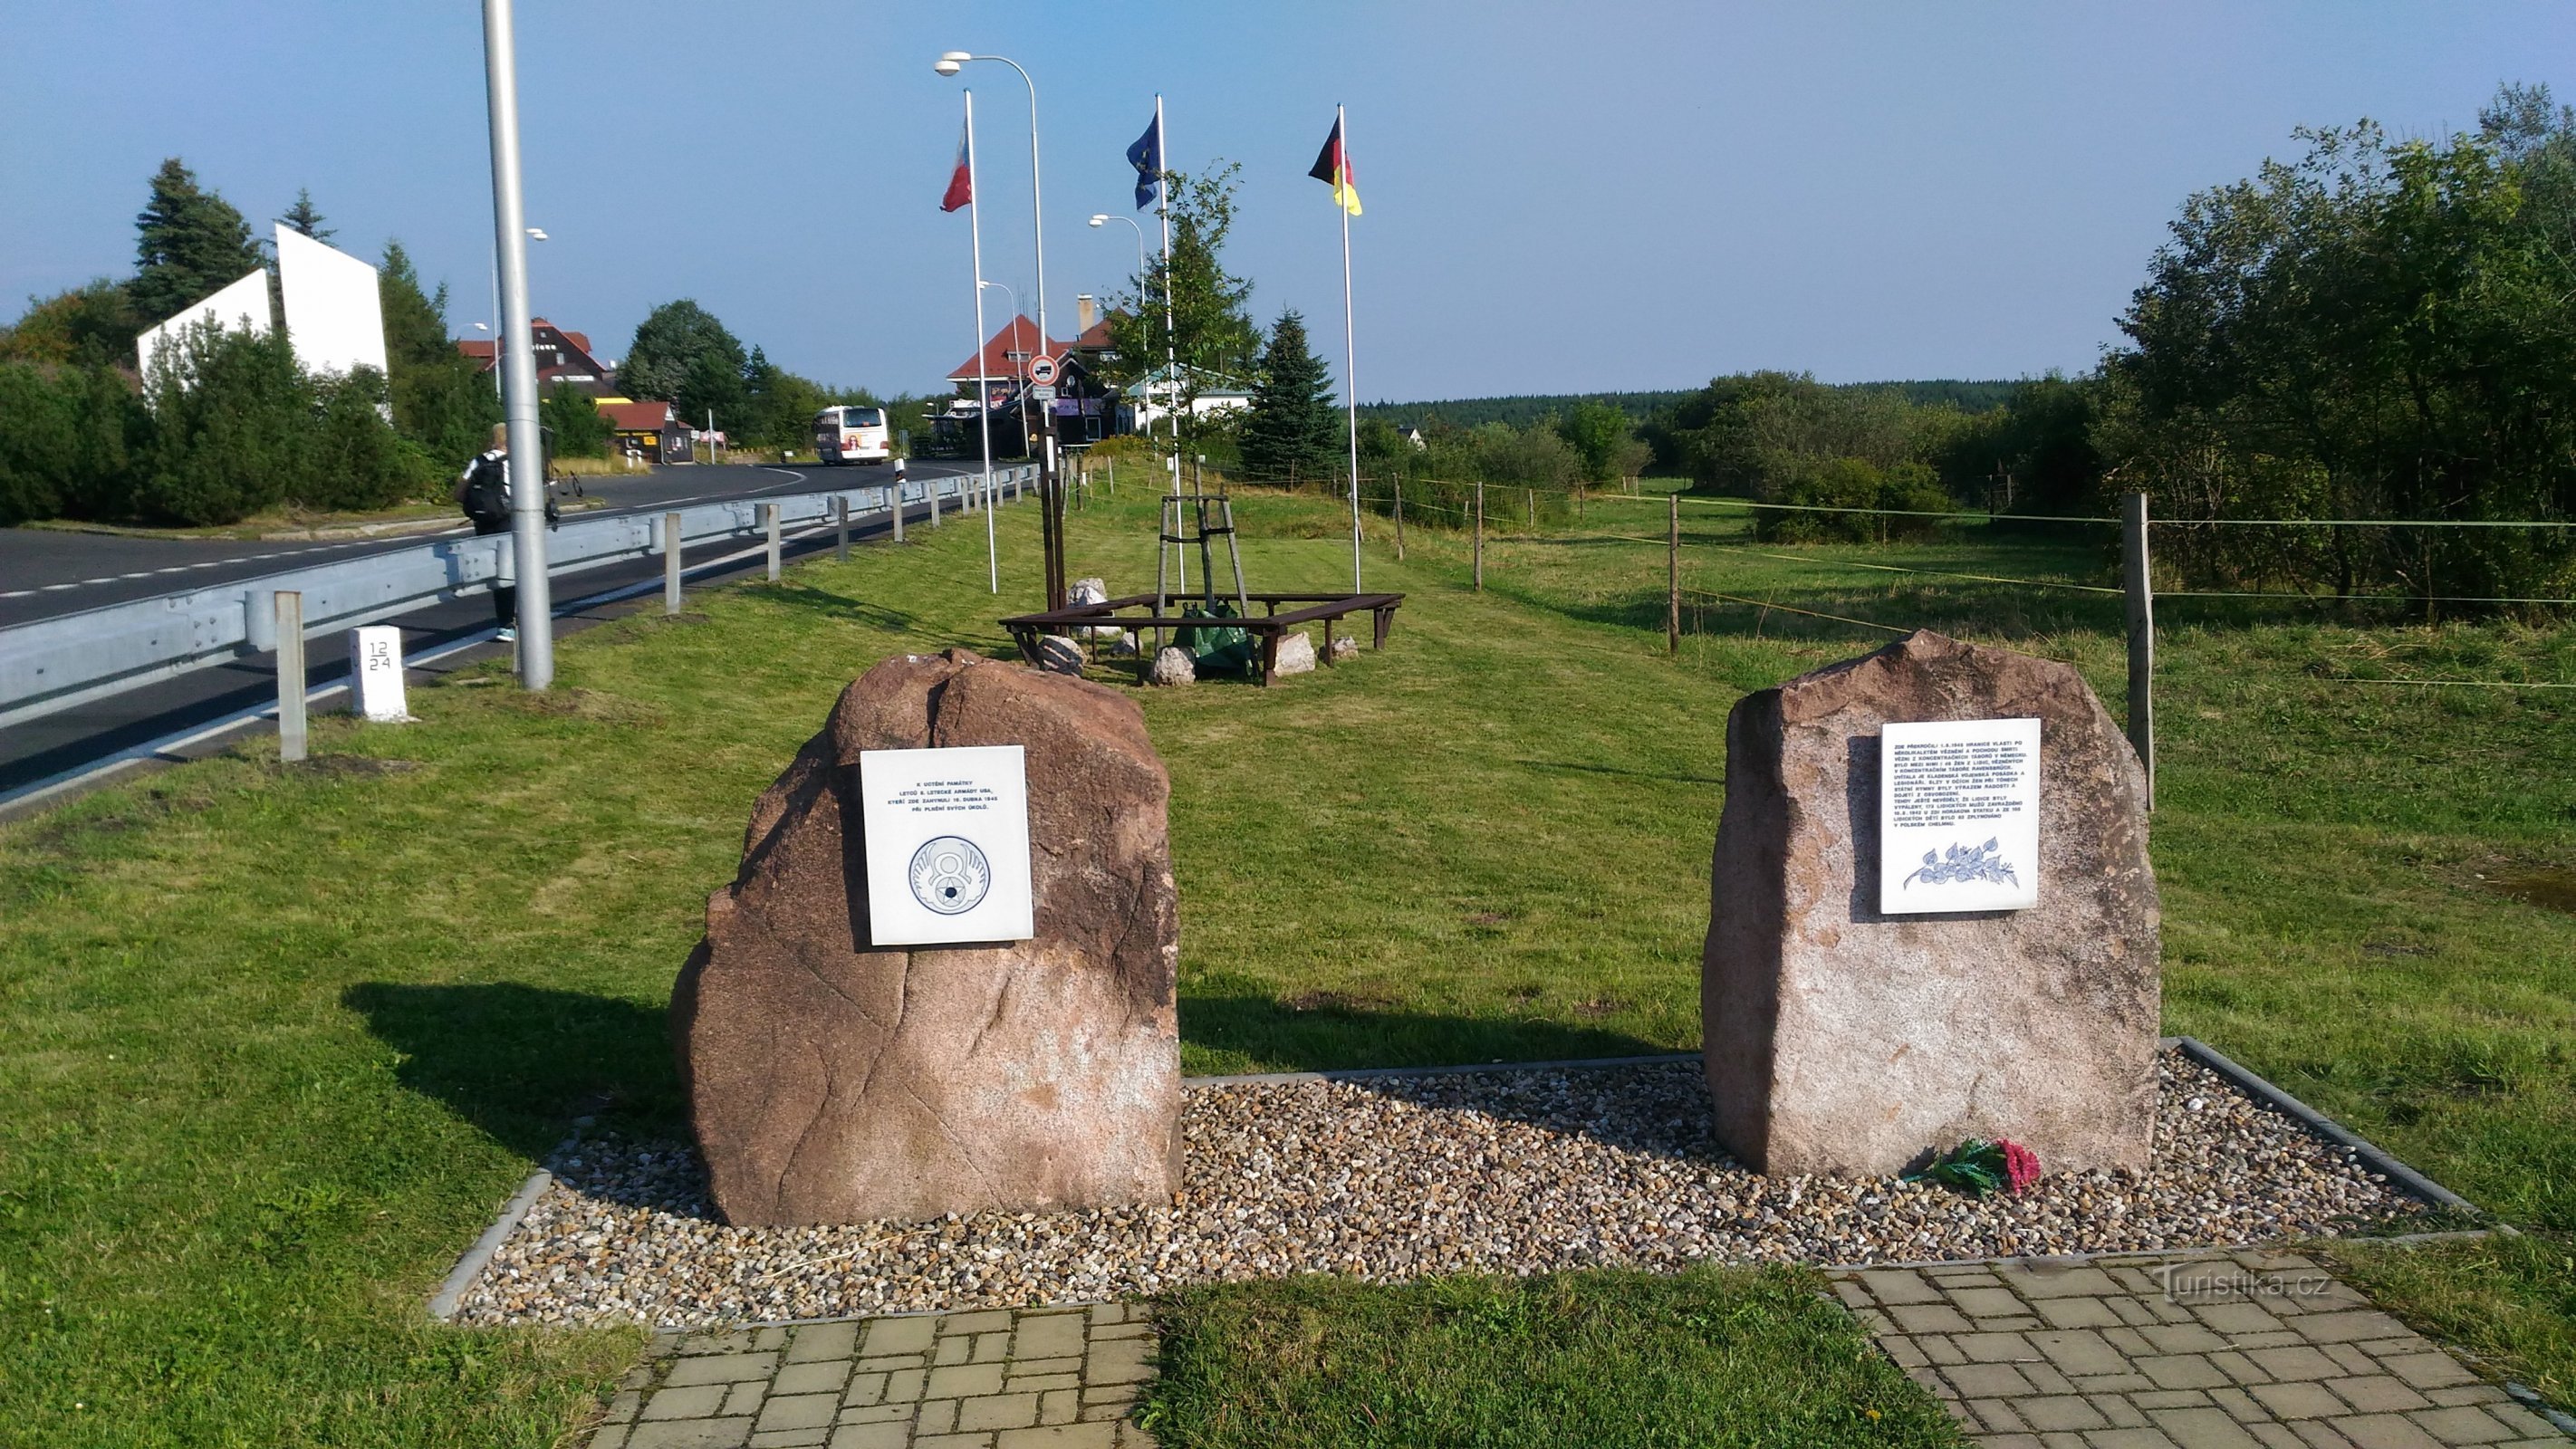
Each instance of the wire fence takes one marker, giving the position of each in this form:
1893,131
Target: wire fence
2096,575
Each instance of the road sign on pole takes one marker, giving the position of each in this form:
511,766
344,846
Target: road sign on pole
1042,370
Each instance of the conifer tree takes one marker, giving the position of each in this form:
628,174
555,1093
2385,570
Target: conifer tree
305,217
190,244
1289,433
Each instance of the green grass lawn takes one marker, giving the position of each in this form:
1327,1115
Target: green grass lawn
1607,1360
283,1039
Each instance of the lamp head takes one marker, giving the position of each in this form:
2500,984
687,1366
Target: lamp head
538,233
951,62
1101,219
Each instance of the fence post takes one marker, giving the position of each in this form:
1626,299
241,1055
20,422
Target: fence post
1673,575
896,493
771,510
290,675
840,528
2141,593
670,563
1480,538
1532,495
1398,485
931,488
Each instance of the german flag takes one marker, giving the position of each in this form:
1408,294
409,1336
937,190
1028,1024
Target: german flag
1333,167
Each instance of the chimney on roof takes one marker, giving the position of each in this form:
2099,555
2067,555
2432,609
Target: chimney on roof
1086,314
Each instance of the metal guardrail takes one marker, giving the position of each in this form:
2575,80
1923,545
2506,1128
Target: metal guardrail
54,664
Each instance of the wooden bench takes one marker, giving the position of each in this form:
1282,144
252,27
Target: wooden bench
1266,628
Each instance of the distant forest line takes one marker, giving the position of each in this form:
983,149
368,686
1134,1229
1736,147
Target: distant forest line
1522,410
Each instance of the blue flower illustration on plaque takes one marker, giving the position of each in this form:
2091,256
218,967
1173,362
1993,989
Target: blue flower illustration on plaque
1962,863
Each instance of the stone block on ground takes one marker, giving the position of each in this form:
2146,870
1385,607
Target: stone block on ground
1296,654
1059,655
1345,648
1173,665
830,1080
1843,1041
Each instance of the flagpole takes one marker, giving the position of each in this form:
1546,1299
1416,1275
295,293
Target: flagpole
1350,352
1171,351
983,383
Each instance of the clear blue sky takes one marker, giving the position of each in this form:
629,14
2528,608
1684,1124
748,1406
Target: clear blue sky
1560,197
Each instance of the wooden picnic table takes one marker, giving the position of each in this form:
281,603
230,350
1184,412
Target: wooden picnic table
1267,627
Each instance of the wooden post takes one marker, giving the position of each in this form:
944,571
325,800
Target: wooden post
1398,486
1480,538
770,512
1532,495
290,675
2141,593
670,563
1673,575
841,528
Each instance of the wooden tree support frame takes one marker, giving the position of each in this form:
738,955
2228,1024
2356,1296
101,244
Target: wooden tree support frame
1267,628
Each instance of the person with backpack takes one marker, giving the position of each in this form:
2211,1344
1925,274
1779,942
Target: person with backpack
483,491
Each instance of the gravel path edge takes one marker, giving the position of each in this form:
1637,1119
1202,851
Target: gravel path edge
2380,1161
442,1305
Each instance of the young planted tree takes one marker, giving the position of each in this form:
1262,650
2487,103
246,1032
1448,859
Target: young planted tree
1211,331
575,427
190,243
1292,434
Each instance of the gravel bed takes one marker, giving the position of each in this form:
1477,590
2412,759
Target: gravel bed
1506,1171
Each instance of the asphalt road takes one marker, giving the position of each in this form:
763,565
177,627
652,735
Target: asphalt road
44,573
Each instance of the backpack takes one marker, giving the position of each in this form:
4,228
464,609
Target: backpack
486,491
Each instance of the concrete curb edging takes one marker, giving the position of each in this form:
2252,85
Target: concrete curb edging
2326,1127
442,1307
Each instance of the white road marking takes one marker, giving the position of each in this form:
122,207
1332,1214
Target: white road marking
51,588
18,594
144,575
98,581
172,569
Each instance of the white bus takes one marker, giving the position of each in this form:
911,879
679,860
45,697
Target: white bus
851,435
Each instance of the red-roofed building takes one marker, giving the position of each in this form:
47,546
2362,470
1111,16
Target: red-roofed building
1006,356
648,430
562,356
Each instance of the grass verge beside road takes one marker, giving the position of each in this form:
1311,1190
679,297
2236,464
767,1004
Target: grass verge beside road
283,1039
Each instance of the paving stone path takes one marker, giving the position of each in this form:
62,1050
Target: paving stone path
2185,1351
2189,1351
1061,1378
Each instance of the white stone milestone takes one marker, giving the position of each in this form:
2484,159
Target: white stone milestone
376,673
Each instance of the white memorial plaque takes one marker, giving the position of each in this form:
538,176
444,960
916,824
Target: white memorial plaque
1958,816
948,845
376,673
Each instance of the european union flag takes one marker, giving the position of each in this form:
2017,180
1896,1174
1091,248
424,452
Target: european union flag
1147,157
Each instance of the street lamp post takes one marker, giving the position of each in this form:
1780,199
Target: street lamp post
517,360
1103,218
1050,498
1018,360
535,233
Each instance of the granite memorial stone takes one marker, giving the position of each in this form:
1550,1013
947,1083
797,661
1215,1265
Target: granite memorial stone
834,1080
1846,1038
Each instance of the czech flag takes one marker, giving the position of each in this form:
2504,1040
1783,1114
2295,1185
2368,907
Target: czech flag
1334,168
1147,157
961,183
